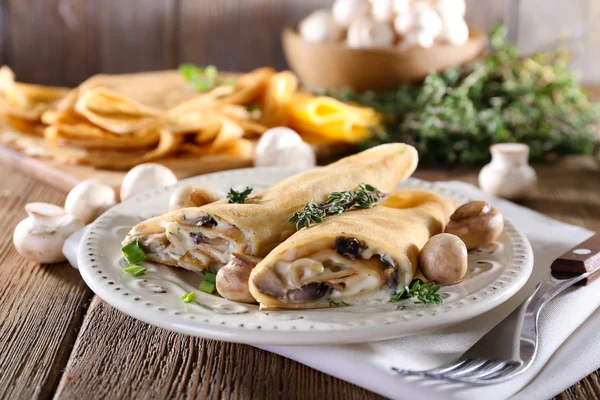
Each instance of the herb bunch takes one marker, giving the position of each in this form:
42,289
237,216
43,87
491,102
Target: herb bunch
204,79
454,116
425,293
364,196
239,197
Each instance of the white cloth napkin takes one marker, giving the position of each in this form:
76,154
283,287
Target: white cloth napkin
568,349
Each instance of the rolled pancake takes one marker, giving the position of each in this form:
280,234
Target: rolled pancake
203,238
360,256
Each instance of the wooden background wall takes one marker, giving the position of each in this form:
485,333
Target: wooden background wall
65,41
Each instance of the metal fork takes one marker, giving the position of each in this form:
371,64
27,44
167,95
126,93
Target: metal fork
510,348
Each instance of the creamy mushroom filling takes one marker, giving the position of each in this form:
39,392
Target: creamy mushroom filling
348,270
194,241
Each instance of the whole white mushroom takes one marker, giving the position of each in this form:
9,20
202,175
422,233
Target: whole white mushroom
404,23
421,38
454,31
401,6
283,147
345,12
426,18
365,32
88,199
450,7
319,27
192,195
146,177
383,10
40,236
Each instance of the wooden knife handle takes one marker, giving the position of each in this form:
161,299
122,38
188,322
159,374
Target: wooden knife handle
580,259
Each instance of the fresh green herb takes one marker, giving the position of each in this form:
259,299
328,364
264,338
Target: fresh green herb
426,293
188,297
336,303
207,287
239,197
135,270
209,215
184,217
363,249
203,78
385,260
365,196
253,107
454,116
133,252
210,277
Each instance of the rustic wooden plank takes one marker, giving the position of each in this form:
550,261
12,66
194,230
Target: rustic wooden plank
484,14
136,35
41,307
48,40
217,32
117,356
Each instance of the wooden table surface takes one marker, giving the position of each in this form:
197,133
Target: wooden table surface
58,340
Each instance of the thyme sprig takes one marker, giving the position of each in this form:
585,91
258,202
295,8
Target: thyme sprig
364,196
426,293
239,197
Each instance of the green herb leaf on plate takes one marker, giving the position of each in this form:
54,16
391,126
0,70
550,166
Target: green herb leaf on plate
133,252
207,287
135,270
188,297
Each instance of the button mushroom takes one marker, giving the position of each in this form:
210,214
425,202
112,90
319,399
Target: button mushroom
443,259
146,177
192,196
345,12
454,31
319,27
283,147
40,237
365,32
88,199
232,279
383,10
476,223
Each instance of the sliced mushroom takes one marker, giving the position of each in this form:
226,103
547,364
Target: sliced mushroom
232,279
310,292
269,283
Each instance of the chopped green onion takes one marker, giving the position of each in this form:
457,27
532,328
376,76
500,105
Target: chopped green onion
188,297
135,270
210,278
207,287
133,252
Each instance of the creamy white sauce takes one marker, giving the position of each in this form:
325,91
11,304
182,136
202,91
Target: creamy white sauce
361,278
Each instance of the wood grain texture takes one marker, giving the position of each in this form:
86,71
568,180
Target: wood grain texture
217,32
117,356
41,307
48,40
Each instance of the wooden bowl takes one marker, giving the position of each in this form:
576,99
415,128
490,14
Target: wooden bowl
334,65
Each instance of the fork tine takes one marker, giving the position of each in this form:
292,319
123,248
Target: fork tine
439,370
505,370
491,367
466,369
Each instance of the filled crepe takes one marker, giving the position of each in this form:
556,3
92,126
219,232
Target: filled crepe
356,257
204,238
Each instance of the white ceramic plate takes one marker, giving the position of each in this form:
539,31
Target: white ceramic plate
494,275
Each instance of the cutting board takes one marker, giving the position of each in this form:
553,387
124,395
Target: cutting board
65,177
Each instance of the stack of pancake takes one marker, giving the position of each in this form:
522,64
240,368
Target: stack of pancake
119,121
